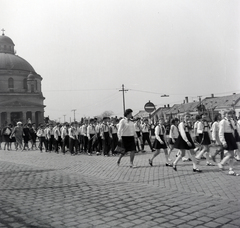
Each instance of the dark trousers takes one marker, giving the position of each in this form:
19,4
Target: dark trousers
65,143
57,143
72,145
51,143
46,144
146,137
114,142
81,141
106,143
91,143
85,143
99,142
41,142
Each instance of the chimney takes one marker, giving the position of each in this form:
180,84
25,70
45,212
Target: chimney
168,106
212,95
186,99
234,93
164,106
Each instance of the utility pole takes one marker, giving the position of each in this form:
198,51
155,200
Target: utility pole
74,110
123,90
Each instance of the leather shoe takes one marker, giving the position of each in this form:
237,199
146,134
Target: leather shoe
150,162
174,167
197,170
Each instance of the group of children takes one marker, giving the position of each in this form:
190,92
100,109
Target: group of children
223,134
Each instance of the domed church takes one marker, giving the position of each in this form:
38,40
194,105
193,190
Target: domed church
21,97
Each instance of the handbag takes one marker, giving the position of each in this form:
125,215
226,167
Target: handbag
119,148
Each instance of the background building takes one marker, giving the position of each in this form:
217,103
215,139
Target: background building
21,97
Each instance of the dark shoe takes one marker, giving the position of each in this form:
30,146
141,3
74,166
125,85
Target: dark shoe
168,164
197,170
209,164
153,150
174,167
150,162
118,163
214,158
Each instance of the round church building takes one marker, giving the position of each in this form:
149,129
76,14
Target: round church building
21,97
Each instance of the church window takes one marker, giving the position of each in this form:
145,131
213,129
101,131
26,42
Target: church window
25,83
10,83
32,88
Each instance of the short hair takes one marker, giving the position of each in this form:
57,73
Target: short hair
216,116
174,120
198,117
127,112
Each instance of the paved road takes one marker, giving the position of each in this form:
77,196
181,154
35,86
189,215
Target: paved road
55,190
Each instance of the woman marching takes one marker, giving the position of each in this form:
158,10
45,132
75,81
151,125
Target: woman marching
226,136
18,132
160,142
215,137
184,142
6,135
126,136
237,137
173,135
204,138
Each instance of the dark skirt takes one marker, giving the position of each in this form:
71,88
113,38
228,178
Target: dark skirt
237,138
6,138
13,139
182,145
138,134
197,139
157,145
128,143
231,142
170,141
204,139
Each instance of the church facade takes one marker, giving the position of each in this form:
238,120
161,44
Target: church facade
21,97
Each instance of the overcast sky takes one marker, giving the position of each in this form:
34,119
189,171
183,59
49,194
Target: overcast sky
86,50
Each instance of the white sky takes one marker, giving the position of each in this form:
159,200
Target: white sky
86,50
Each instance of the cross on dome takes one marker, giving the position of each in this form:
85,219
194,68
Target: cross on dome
3,30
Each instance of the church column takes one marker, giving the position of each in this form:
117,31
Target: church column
8,117
33,117
24,117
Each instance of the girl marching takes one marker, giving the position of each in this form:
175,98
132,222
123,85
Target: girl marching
204,138
227,138
185,142
160,142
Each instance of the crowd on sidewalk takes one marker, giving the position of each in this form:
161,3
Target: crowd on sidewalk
104,137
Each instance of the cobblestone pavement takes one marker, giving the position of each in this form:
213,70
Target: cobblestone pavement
55,190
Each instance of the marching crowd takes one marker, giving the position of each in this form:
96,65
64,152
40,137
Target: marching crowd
112,136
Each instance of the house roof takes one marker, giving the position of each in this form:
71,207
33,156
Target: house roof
141,114
225,101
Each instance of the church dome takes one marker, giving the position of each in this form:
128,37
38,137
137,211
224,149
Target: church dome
8,59
6,40
14,62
